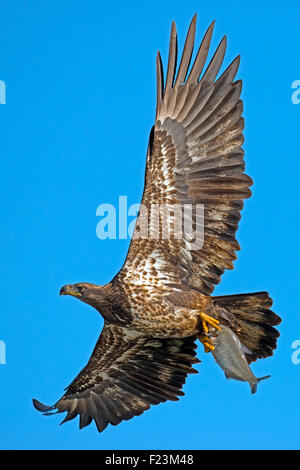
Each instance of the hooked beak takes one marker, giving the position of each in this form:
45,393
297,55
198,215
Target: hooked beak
70,290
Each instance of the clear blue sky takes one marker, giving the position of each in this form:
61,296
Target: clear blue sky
80,102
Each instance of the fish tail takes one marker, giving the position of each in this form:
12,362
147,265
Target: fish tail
254,386
252,321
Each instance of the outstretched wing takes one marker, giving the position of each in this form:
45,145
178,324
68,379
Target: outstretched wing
194,161
126,374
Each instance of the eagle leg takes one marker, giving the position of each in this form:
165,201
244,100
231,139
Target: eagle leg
207,322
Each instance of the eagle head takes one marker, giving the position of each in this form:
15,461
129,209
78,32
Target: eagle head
83,290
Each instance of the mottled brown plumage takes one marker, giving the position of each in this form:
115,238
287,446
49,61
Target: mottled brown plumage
152,308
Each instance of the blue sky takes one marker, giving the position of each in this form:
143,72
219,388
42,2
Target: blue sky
80,102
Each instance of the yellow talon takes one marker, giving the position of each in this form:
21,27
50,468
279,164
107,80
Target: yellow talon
207,320
208,347
204,338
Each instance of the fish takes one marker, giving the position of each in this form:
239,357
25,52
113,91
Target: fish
229,353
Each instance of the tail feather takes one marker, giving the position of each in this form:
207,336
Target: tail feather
253,322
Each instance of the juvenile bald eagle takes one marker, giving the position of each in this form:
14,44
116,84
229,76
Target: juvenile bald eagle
160,302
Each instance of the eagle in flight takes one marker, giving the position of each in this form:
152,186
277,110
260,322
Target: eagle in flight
160,302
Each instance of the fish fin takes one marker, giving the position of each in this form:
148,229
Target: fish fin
263,378
228,375
254,386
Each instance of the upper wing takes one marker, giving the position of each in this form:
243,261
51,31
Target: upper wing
194,160
126,374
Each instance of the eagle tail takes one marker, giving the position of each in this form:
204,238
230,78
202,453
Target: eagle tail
253,321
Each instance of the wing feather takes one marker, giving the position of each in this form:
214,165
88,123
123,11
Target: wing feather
194,157
201,56
187,53
126,373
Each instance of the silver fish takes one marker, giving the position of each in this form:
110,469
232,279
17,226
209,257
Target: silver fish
229,353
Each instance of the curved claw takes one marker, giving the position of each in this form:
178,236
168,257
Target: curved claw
207,321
